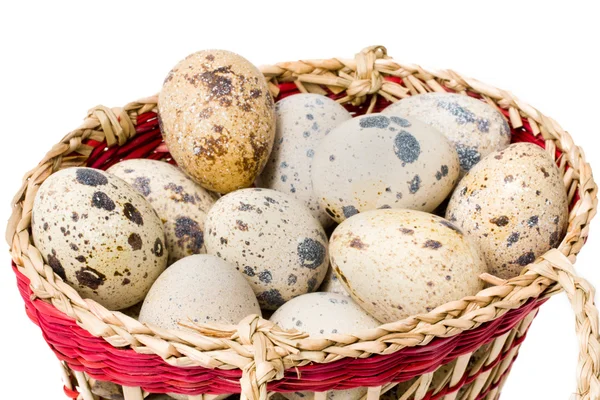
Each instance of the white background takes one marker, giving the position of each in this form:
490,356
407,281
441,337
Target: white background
59,59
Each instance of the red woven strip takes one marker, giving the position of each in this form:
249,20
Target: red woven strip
83,352
72,394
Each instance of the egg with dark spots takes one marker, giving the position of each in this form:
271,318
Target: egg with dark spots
323,315
180,203
217,117
513,204
99,235
398,263
376,161
296,139
198,289
274,241
474,127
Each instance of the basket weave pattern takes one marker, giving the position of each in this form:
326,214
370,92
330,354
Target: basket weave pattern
94,342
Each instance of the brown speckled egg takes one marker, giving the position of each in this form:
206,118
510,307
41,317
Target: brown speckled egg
303,120
376,161
321,314
475,128
99,235
272,239
513,204
199,289
397,263
217,118
180,203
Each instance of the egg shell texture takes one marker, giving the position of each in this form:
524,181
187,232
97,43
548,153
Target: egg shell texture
99,235
376,161
513,204
321,314
303,120
199,289
473,126
331,284
272,239
398,263
180,203
217,118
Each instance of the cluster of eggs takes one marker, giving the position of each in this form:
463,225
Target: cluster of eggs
233,250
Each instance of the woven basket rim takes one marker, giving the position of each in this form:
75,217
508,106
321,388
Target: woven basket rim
221,345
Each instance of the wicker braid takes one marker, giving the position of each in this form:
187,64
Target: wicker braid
256,346
558,268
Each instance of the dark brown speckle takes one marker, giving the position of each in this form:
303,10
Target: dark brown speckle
90,177
135,241
189,234
133,214
158,249
89,277
356,243
101,200
526,259
432,244
500,221
56,266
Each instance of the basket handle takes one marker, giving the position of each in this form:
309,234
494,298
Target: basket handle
557,267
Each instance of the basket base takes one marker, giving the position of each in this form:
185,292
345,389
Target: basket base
479,375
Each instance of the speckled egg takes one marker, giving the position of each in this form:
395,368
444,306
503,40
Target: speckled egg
217,118
474,127
397,263
513,204
331,284
272,239
321,314
376,161
201,289
99,235
180,203
303,121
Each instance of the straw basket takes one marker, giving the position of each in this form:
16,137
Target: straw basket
460,350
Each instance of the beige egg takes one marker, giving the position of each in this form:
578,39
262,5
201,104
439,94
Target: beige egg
321,314
99,235
397,263
474,127
303,120
513,204
217,118
272,239
331,284
180,203
198,289
376,161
